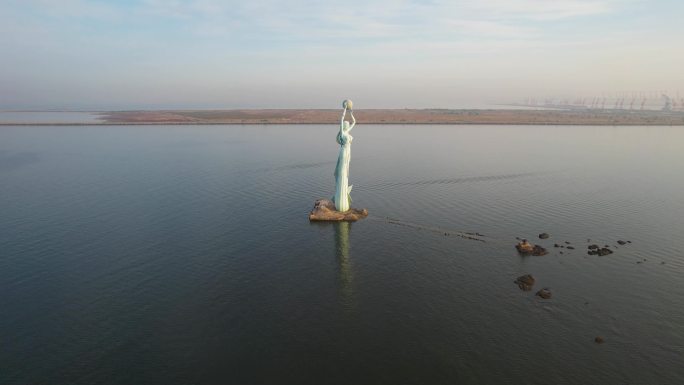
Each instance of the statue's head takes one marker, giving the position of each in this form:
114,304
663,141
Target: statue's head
346,125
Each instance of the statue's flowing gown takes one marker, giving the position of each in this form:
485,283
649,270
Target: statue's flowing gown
342,188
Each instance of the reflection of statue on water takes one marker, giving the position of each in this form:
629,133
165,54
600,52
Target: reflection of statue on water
342,252
342,197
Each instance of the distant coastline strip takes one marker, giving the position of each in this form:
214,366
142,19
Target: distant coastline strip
380,116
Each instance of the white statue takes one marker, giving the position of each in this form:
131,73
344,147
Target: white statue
339,207
342,197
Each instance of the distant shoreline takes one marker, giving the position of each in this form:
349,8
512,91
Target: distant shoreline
380,117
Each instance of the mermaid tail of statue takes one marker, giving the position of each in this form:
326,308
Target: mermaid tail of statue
342,189
348,195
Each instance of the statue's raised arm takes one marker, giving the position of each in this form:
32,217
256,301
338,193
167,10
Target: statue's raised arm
344,113
347,105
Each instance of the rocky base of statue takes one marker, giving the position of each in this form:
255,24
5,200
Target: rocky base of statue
324,210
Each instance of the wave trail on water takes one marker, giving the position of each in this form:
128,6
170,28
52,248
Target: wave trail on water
485,178
474,236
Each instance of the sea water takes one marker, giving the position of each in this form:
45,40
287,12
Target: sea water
183,254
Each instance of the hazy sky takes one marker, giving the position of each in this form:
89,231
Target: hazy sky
233,54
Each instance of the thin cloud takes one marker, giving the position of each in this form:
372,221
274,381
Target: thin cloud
250,53
374,20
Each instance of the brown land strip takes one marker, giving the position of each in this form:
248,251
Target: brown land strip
404,116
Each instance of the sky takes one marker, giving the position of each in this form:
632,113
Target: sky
149,54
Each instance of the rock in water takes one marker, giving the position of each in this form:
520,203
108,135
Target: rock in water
324,210
622,242
544,293
526,248
525,282
599,251
599,340
543,236
539,251
604,251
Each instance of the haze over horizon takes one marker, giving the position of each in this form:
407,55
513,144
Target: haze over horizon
78,54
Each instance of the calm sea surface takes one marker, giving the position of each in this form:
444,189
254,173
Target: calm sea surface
183,255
